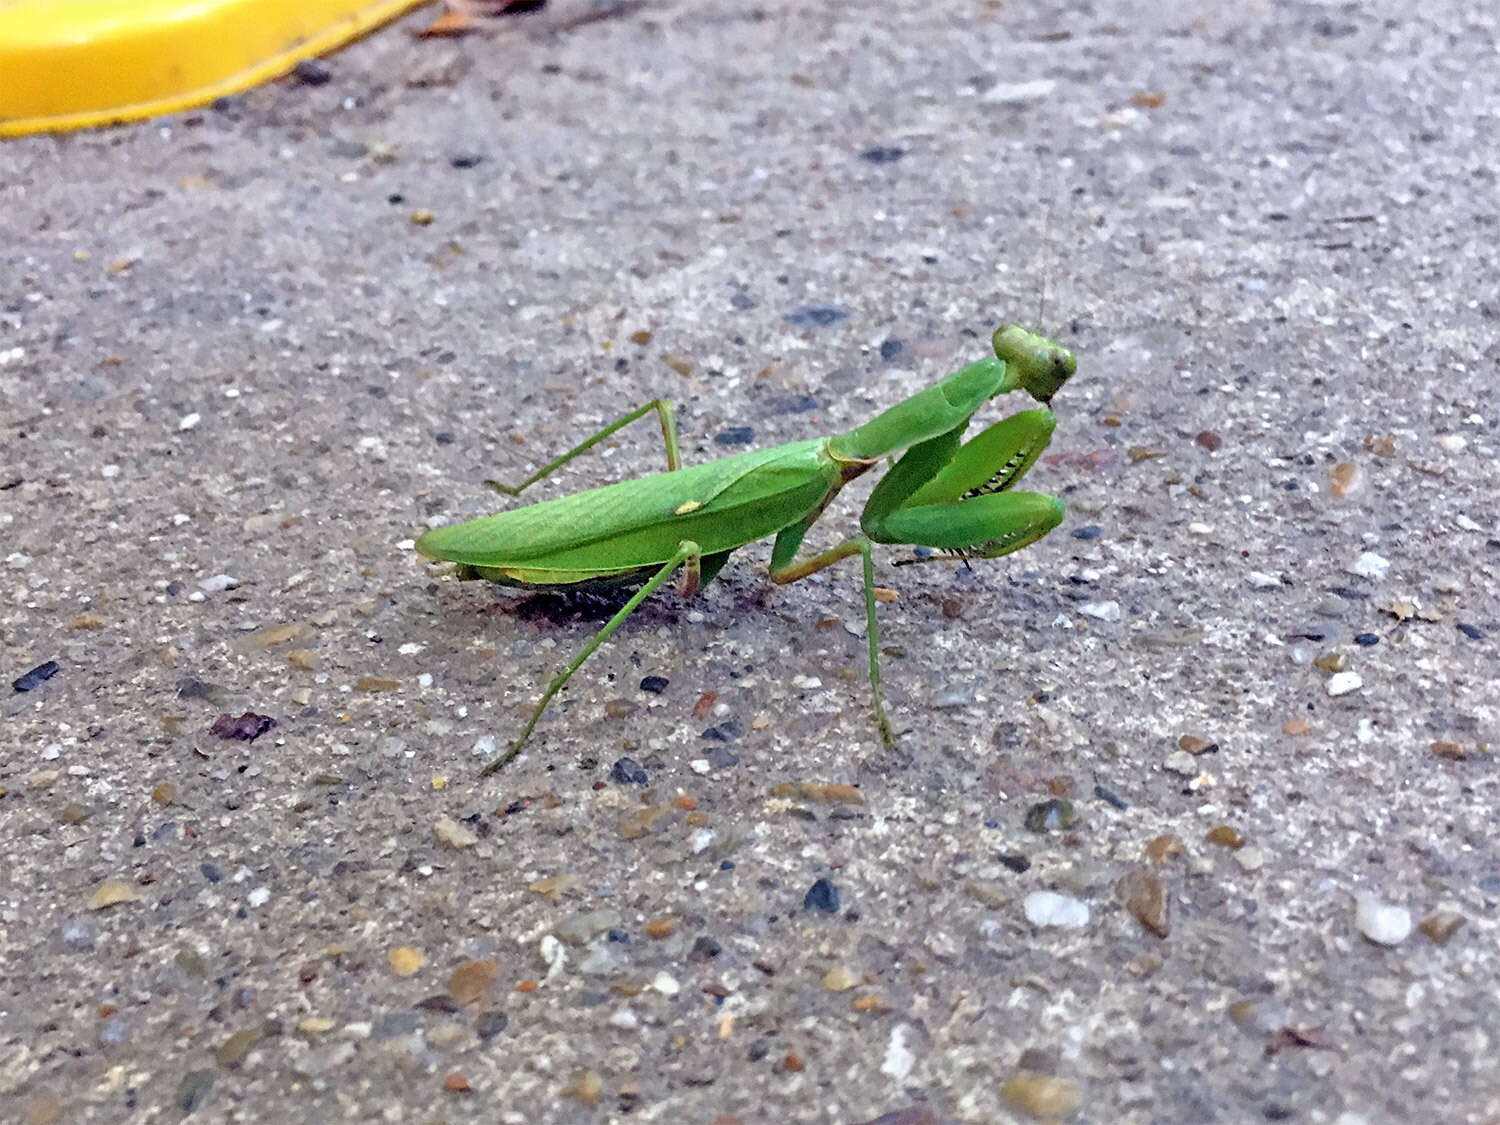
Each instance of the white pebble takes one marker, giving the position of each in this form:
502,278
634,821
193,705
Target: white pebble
17,561
1260,580
424,681
1196,528
625,1019
700,765
1453,443
181,518
1369,565
1048,908
484,746
1342,683
899,1059
1019,93
1380,922
373,448
411,648
1101,611
189,421
1467,524
701,839
258,897
1181,762
666,984
218,584
109,472
806,683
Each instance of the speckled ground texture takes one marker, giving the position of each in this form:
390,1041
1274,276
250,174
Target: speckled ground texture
229,346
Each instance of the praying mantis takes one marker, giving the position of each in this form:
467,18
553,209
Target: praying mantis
941,493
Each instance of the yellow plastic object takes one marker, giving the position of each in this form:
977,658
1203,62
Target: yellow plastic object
72,64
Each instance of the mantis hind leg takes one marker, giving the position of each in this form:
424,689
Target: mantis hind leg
665,415
688,554
792,571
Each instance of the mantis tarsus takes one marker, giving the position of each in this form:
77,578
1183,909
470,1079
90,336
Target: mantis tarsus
942,493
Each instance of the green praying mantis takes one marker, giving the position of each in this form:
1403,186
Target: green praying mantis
942,493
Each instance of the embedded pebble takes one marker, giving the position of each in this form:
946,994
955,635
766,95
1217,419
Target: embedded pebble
112,893
839,979
1044,1096
1181,762
1051,815
583,927
1019,93
1380,922
1048,908
218,584
454,834
1369,565
1101,611
1442,925
1144,895
1342,683
822,895
1260,580
1250,859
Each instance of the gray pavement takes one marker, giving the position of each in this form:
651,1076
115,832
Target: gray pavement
247,354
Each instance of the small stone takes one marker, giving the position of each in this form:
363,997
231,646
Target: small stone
1296,727
666,984
1102,611
1342,683
1380,922
1452,443
491,1024
37,676
1369,565
1050,816
112,893
1145,896
986,893
619,709
472,982
302,659
1019,93
218,584
1048,908
404,960
87,621
315,1025
376,684
1181,762
1250,859
816,316
1442,925
1366,640
454,834
193,1089
313,72
1452,751
1473,632
1195,745
1088,531
586,925
627,771
1225,836
1209,440
664,926
164,794
74,813
1344,479
839,979
655,685
1332,662
456,1083
233,1050
1044,1096
822,895
1260,580
421,218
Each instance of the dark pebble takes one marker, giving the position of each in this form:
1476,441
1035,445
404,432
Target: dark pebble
822,895
883,154
313,72
800,404
444,437
246,728
890,349
395,199
1490,884
1366,639
722,758
211,872
816,316
466,159
1109,796
627,771
655,684
1016,862
729,730
439,1002
36,677
735,435
393,1025
1088,531
704,949
742,301
758,1050
491,1024
727,865
619,937
193,1089
1049,815
1473,632
1349,593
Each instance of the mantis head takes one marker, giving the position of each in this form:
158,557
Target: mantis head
1038,365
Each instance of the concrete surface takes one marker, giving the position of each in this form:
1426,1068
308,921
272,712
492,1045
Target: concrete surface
230,347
